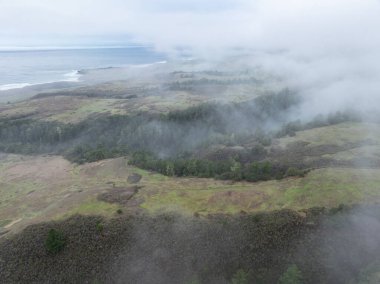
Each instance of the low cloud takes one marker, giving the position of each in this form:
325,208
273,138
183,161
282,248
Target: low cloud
327,49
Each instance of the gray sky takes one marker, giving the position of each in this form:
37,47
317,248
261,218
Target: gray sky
200,24
330,48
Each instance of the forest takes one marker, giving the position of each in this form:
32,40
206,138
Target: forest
170,143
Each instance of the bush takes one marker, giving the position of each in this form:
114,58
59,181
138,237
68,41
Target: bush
291,276
55,241
294,172
240,277
194,280
99,227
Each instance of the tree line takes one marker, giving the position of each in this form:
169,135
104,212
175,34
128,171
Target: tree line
167,134
223,169
175,137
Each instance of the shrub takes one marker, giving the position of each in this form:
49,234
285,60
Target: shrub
55,241
99,227
291,276
240,277
294,172
194,280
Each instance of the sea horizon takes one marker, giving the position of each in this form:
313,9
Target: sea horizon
22,67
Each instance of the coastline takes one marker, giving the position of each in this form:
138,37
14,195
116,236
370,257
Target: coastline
72,76
76,78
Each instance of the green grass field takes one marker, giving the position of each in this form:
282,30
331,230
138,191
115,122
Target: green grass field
339,134
322,187
35,188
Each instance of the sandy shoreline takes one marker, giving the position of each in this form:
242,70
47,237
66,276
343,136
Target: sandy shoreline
87,77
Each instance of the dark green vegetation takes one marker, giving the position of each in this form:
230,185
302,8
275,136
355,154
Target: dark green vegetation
196,85
175,143
291,276
167,135
240,277
170,134
319,121
223,169
55,241
319,246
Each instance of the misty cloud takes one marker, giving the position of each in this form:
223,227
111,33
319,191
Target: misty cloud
299,26
328,50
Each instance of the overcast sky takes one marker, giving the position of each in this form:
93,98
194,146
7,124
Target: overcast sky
201,24
330,49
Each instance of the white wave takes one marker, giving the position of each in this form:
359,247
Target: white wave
72,76
148,64
14,86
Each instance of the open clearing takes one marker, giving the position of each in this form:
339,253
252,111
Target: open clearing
345,144
338,134
147,94
41,188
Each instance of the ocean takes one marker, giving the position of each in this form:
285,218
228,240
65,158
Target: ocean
21,68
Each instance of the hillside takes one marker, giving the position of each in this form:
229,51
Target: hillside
221,153
40,188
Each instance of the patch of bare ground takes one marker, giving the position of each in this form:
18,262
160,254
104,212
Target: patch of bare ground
245,199
134,178
119,195
43,107
37,188
50,169
307,155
